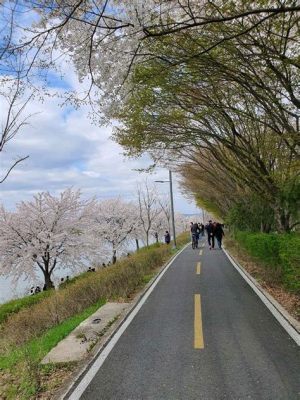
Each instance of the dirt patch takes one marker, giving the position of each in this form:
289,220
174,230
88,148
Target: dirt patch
52,378
5,382
269,281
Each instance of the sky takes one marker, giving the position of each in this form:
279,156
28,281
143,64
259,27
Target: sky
67,150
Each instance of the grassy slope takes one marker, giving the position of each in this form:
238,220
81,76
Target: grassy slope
38,347
17,305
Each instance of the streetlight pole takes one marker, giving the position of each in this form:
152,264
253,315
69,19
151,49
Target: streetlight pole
172,205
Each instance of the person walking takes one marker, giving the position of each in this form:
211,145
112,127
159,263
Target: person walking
167,238
195,231
210,234
191,226
219,233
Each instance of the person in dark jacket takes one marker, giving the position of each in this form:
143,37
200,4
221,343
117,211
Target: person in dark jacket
167,238
210,234
219,233
195,231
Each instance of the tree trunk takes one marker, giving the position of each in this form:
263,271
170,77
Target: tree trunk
48,282
265,227
137,244
47,271
282,218
114,257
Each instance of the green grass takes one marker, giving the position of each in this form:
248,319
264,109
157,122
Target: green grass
147,278
16,305
39,347
279,253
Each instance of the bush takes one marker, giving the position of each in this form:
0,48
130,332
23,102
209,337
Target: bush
280,254
250,214
261,245
290,260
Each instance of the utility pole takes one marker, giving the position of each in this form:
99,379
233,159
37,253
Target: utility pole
172,206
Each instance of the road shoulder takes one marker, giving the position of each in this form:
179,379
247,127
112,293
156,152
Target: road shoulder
287,321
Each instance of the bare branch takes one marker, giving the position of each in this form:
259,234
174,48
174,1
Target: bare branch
12,167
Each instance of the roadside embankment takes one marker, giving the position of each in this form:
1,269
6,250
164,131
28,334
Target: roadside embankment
28,333
274,261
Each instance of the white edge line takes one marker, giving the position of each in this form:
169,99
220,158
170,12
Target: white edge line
88,377
280,318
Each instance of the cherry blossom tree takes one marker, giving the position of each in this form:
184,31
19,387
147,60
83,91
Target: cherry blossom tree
136,234
44,234
88,29
181,223
148,209
115,220
106,38
164,204
159,225
163,223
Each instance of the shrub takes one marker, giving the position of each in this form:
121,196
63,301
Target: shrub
261,245
280,254
289,253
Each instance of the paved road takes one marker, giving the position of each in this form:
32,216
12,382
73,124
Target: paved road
241,350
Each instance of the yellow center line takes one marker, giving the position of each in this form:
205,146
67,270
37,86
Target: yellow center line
200,252
198,332
198,268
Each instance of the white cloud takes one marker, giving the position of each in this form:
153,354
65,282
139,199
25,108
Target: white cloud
65,150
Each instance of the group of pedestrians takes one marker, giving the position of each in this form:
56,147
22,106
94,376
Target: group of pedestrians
213,230
35,290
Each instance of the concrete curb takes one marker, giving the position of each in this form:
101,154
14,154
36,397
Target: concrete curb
115,328
290,324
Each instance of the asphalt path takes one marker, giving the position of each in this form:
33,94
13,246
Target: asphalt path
202,334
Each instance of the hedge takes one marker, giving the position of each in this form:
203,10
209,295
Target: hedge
279,253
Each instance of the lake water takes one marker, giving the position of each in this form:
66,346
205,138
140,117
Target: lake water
9,290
